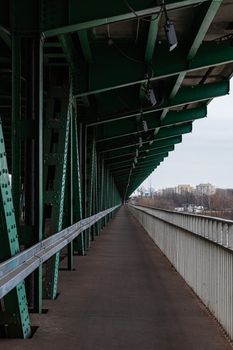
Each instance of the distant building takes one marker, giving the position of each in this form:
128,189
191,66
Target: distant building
206,189
184,188
169,190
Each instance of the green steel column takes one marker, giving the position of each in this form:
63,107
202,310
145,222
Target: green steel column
70,248
38,164
98,190
15,130
14,309
79,242
55,156
90,173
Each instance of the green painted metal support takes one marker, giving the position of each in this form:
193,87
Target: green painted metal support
71,16
90,173
164,133
14,306
15,120
123,128
131,151
38,162
79,242
70,188
127,73
56,136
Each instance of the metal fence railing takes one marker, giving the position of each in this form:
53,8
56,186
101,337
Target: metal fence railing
201,250
17,268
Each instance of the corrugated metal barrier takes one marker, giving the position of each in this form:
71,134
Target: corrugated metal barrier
201,250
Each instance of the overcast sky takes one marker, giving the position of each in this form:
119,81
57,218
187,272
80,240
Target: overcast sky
205,155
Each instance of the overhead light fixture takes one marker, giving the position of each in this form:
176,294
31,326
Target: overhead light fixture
170,32
140,142
145,127
149,93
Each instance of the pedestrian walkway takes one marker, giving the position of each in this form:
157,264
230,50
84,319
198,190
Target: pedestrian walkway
124,295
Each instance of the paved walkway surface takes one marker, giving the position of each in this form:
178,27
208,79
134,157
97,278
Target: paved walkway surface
124,295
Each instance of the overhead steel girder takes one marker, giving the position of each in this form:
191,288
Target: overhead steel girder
142,165
102,77
122,178
162,134
132,152
71,16
122,128
124,160
186,95
204,19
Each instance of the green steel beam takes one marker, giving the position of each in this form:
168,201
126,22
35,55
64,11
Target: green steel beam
150,47
165,64
71,16
5,35
142,165
56,138
15,120
115,163
69,51
122,128
79,242
124,175
162,134
151,39
185,96
139,167
85,45
207,16
15,302
132,151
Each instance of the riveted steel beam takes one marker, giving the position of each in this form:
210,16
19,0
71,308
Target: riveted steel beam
15,302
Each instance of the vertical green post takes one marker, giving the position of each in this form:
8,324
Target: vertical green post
79,242
38,179
16,117
70,248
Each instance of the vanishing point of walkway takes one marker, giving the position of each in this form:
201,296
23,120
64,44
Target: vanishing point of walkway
123,295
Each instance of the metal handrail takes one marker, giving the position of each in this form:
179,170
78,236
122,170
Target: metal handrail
17,268
218,231
226,221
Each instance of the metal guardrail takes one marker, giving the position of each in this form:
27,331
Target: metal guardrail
217,230
201,250
17,268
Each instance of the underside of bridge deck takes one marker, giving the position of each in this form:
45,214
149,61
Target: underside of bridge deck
93,97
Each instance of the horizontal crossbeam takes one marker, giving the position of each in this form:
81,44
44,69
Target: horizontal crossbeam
102,77
129,127
132,151
72,15
162,134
